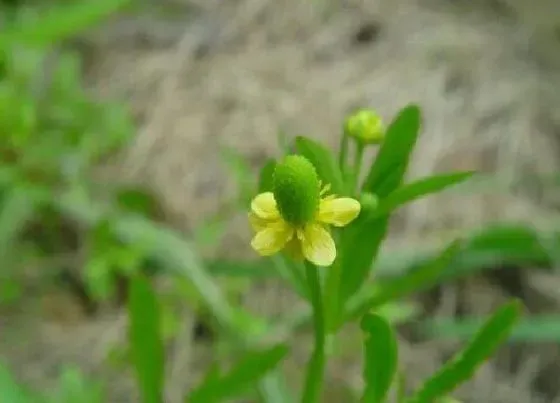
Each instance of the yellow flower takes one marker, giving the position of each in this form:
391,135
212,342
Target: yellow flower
310,240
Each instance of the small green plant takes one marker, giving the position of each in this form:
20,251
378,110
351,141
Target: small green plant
291,215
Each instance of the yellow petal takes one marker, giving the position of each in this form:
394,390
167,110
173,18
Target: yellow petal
264,206
293,249
273,238
317,244
338,212
258,224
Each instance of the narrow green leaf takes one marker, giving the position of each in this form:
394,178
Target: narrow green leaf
146,343
60,22
265,177
424,277
243,375
462,367
415,190
389,168
323,160
380,358
536,329
359,247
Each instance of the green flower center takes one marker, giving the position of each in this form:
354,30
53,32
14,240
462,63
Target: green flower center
296,189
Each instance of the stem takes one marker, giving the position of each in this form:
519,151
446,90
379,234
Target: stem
316,365
343,156
332,303
357,167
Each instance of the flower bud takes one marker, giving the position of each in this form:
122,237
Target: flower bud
296,189
369,202
365,126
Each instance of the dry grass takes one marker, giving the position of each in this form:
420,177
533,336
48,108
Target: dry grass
238,73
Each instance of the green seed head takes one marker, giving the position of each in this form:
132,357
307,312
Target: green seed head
365,126
296,189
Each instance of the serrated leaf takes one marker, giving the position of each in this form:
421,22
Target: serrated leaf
323,160
146,342
245,373
462,367
380,358
389,168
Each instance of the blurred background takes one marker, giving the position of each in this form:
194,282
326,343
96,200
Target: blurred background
182,102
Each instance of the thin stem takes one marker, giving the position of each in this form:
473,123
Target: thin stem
331,302
343,156
357,167
316,365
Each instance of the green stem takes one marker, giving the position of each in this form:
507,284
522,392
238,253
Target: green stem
316,366
343,156
357,167
332,304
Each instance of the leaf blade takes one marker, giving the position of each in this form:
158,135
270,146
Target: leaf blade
389,168
247,371
146,343
380,358
462,367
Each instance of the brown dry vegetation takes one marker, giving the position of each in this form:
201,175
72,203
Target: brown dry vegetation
209,74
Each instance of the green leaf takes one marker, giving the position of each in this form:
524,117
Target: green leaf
537,329
389,168
10,390
59,23
244,374
17,209
323,160
146,343
168,249
74,387
418,280
380,358
359,246
462,367
416,190
273,389
265,177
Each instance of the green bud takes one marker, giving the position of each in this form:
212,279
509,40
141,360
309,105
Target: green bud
296,189
369,202
365,126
